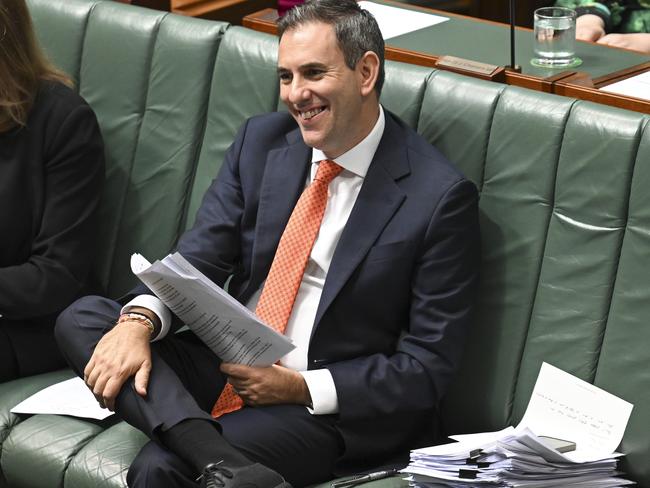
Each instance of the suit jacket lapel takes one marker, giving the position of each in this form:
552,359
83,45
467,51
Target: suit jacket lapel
378,200
284,180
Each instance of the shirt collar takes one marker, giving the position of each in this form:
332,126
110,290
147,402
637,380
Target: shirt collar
358,159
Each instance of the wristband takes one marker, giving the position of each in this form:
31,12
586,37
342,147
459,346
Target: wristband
137,317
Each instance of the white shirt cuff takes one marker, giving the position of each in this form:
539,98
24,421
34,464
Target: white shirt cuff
324,399
154,304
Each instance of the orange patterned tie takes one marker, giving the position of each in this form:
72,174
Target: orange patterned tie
282,283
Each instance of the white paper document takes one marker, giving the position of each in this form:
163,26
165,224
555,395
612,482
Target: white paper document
70,397
395,21
569,408
636,86
561,406
233,332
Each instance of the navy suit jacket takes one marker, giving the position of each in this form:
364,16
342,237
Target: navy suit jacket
398,296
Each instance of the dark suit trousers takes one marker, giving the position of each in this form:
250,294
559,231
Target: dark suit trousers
185,382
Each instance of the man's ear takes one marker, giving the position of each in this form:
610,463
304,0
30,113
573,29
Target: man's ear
368,70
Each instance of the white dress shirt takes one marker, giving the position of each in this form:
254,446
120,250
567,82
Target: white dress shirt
342,195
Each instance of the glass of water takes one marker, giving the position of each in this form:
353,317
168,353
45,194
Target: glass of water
555,38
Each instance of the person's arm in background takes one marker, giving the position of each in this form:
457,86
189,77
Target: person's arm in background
636,42
612,23
62,248
590,27
632,30
594,18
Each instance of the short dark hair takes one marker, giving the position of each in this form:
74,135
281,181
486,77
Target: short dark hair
356,29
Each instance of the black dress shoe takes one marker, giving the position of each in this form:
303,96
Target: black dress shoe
216,475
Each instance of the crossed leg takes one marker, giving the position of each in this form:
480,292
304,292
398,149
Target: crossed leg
185,382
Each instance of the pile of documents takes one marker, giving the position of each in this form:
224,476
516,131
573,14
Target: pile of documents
567,438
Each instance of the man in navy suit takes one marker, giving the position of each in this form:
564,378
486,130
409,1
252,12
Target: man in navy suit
381,312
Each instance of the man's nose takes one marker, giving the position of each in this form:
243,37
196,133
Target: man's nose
298,91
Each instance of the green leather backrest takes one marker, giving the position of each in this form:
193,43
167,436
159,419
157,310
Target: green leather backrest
564,266
148,76
245,83
61,27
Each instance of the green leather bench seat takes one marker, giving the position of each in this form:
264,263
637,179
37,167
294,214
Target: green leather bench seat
565,218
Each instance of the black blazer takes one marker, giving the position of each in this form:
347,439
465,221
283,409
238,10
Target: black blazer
399,292
51,177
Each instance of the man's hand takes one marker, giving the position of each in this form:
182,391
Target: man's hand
267,386
120,354
589,27
636,42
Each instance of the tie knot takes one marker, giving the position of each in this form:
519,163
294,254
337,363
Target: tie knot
327,171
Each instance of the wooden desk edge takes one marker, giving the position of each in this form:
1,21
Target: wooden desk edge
265,21
621,74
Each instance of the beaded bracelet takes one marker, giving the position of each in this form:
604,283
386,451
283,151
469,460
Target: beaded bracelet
137,317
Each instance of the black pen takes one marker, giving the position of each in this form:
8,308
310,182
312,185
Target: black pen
364,478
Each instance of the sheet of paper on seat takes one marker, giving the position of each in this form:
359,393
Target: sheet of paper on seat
70,397
395,21
636,86
569,408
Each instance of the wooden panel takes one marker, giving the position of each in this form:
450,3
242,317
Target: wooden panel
594,95
621,75
155,4
232,11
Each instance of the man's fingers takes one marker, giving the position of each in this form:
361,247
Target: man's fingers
92,378
89,367
237,383
99,399
142,378
235,370
113,387
238,369
99,386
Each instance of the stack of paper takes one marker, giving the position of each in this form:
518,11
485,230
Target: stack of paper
564,413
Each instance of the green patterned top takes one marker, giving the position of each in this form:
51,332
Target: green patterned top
624,16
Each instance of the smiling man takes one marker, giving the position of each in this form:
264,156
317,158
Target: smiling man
342,229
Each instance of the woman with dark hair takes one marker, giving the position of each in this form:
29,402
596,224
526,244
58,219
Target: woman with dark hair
51,177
